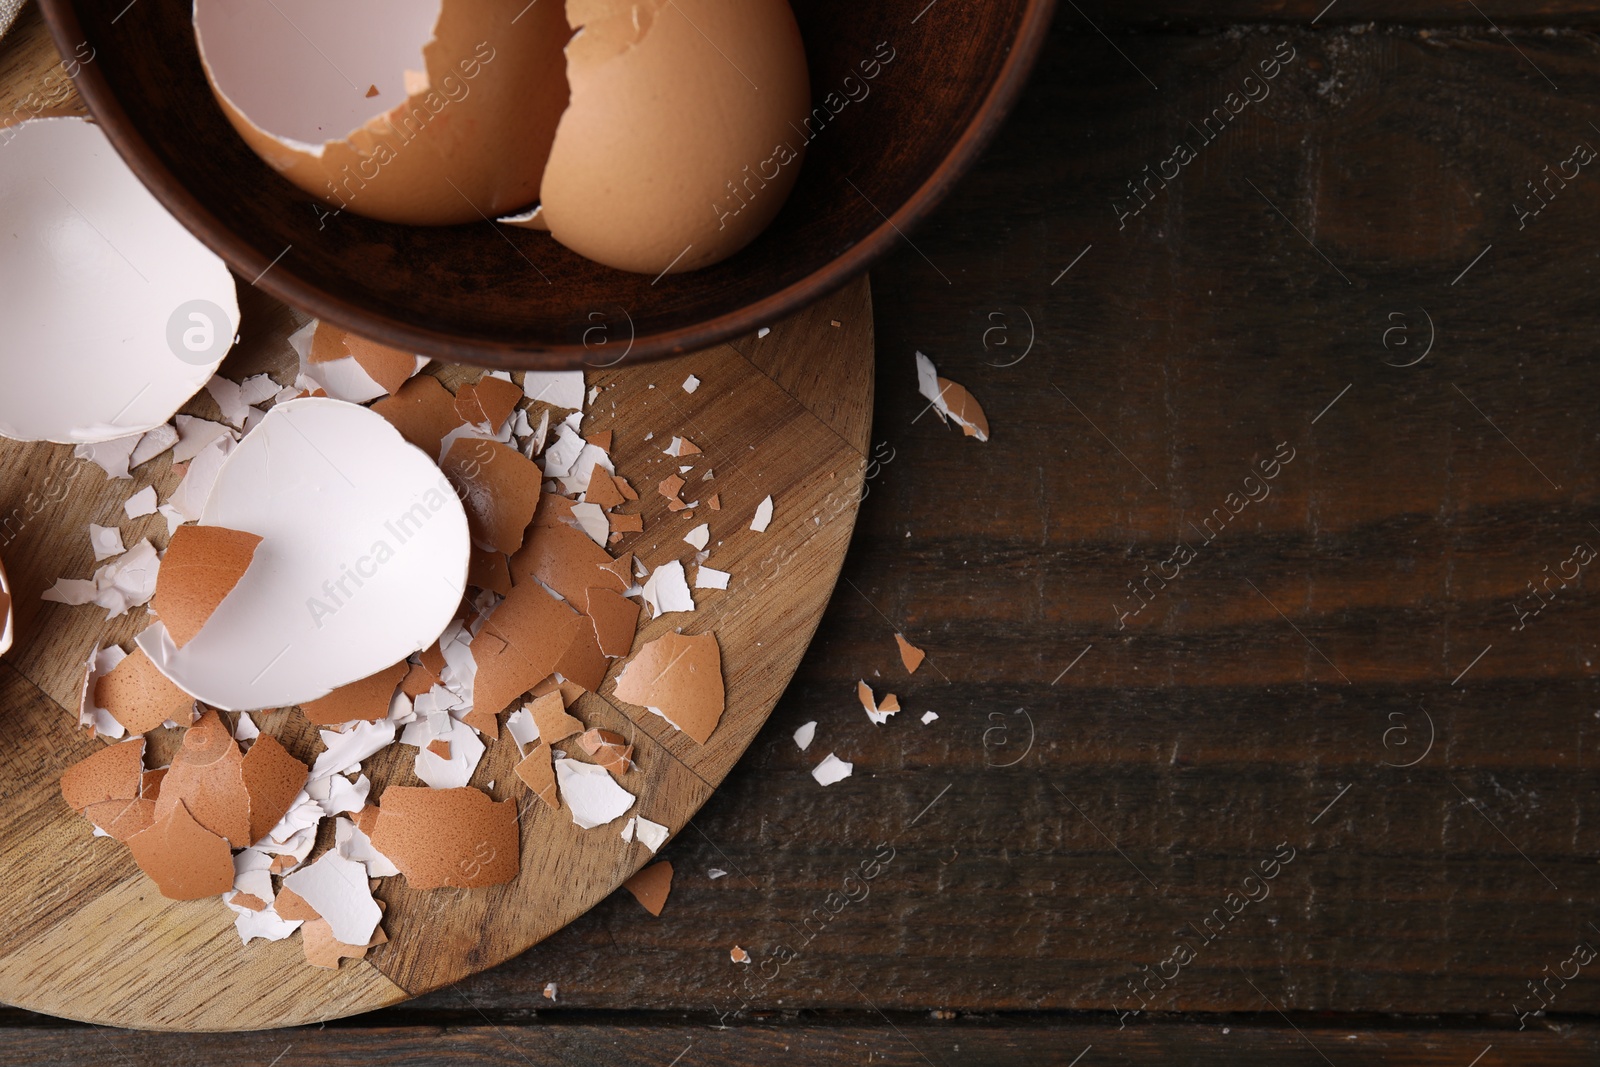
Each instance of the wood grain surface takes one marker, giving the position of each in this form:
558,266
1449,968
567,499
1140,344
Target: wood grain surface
1143,782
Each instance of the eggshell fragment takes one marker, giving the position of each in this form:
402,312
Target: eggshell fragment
590,793
183,858
488,402
950,401
389,368
336,888
114,773
273,778
538,774
423,411
363,701
201,567
910,654
448,837
651,885
206,778
832,769
550,715
679,677
609,749
567,561
535,630
712,93
324,950
469,94
139,696
499,488
116,314
615,619
363,561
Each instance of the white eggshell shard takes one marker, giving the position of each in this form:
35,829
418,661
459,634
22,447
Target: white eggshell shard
5,612
363,560
115,314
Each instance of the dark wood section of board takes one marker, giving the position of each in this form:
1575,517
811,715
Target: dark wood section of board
1262,633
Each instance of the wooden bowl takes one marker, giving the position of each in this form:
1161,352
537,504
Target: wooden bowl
467,293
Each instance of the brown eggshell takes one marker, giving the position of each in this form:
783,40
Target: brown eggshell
567,561
964,407
139,697
651,885
207,779
363,701
583,663
550,716
609,749
121,819
200,569
487,569
448,837
389,367
681,675
115,773
273,778
183,858
472,144
602,489
324,950
499,487
423,411
539,774
536,629
910,654
685,133
488,402
292,906
615,619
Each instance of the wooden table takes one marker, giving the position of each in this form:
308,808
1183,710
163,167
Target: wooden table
1343,682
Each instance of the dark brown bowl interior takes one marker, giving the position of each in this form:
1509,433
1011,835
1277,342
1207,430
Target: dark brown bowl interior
469,293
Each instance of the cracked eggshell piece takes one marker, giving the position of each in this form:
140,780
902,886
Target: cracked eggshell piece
363,560
683,137
116,315
422,112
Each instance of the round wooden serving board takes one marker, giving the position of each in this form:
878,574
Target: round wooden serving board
86,934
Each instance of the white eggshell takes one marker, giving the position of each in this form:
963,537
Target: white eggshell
99,285
363,560
5,623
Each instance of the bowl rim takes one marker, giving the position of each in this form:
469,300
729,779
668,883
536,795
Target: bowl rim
67,32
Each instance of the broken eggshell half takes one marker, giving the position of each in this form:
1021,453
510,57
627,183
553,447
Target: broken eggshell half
116,315
362,561
423,112
684,134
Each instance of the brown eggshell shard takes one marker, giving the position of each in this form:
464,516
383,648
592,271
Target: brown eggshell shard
714,502
567,561
247,901
272,778
150,787
602,489
184,859
389,367
488,401
322,949
615,619
651,885
646,83
499,487
681,675
121,819
471,141
583,663
622,524
200,569
609,749
423,411
554,510
439,748
910,654
550,716
418,680
965,409
864,694
116,772
538,773
489,570
139,697
625,487
207,779
292,906
363,701
448,837
537,630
